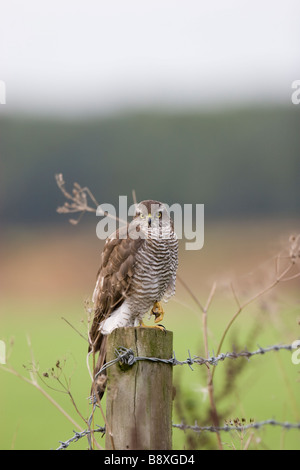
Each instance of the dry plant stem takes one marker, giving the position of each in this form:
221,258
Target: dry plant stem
291,278
209,375
106,423
91,437
75,329
190,292
293,398
246,446
32,381
92,375
79,202
90,421
205,335
134,197
241,307
97,397
68,392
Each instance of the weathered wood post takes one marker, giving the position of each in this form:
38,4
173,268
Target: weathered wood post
139,397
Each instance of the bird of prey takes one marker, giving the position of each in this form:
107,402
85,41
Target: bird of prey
138,270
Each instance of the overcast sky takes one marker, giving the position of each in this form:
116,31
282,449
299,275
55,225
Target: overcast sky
82,56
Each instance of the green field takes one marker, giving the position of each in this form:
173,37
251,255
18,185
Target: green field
49,277
267,387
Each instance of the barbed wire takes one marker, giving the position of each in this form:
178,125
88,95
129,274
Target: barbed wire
79,435
184,427
242,427
126,356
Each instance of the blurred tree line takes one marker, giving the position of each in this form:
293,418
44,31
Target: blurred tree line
238,162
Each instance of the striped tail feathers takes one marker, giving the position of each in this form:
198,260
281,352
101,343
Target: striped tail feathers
100,379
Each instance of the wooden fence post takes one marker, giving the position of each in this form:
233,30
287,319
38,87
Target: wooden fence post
139,397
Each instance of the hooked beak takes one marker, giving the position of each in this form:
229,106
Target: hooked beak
149,220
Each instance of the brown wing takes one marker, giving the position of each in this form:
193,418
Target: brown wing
114,279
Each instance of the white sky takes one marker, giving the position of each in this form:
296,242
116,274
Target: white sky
82,56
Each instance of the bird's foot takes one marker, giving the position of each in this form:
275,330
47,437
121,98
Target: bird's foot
158,312
159,327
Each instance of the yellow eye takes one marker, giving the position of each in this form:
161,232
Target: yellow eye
159,214
142,216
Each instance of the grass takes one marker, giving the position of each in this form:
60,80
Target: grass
47,276
267,388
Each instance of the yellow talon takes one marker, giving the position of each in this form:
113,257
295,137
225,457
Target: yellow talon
159,327
158,312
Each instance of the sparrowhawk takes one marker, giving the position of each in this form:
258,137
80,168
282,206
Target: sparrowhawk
138,270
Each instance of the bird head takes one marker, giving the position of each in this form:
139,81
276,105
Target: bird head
152,217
